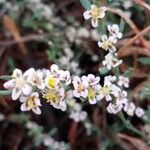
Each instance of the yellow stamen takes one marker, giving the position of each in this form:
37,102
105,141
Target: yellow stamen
106,89
91,93
95,12
52,96
52,82
31,102
106,44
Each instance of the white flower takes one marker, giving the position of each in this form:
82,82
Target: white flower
114,32
93,94
108,89
55,97
139,112
123,81
111,61
91,79
37,79
64,76
80,87
51,82
47,140
129,109
78,115
127,4
83,33
20,83
2,117
95,35
122,97
114,108
31,102
95,13
107,43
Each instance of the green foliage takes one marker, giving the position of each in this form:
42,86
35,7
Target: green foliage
86,4
5,92
122,24
144,60
5,77
103,70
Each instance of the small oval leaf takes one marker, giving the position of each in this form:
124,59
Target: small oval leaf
86,4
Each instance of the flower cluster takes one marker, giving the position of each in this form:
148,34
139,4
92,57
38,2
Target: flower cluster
28,85
131,109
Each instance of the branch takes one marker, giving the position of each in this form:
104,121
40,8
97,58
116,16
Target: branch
131,41
143,4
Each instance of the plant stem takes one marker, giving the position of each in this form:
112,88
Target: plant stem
129,126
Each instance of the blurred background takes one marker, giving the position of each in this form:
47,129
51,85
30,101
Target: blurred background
38,33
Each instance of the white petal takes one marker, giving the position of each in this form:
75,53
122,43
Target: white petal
119,35
24,107
92,101
37,110
23,98
100,44
28,75
84,94
104,38
17,73
9,84
16,92
94,22
93,6
76,94
87,15
26,89
54,68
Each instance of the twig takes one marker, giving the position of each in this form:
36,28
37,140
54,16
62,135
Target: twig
125,17
143,4
131,41
22,39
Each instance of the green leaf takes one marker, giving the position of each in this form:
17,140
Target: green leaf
121,26
103,70
86,4
144,60
128,73
5,92
5,77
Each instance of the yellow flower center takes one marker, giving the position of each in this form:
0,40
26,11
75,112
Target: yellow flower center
52,96
95,12
91,93
106,89
31,102
80,88
52,82
106,44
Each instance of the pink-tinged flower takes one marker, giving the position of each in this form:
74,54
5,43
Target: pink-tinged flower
114,32
139,112
20,83
95,13
111,61
114,108
91,79
122,97
80,87
123,81
129,109
31,102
